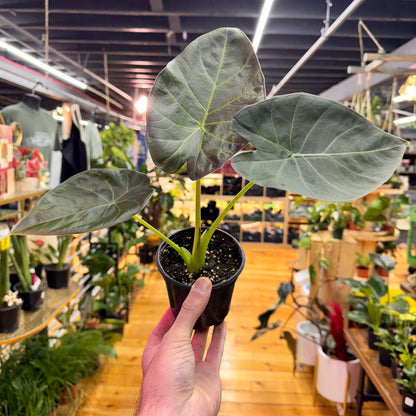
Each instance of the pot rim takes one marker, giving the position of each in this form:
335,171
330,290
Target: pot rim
215,286
42,287
8,308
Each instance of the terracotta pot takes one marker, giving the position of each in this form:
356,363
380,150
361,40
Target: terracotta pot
9,318
219,302
362,271
69,395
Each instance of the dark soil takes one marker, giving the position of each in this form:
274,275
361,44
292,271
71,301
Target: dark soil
221,262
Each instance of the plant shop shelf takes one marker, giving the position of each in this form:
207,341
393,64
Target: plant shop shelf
379,375
33,322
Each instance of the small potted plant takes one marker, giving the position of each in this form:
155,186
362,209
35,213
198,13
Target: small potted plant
57,272
372,304
10,303
30,287
362,262
205,107
407,360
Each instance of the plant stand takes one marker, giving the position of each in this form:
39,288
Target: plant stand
336,380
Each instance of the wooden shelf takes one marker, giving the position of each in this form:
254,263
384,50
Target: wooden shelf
380,376
32,322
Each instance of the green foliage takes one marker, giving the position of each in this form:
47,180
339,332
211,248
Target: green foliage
4,273
367,308
36,371
20,260
59,252
116,141
362,260
115,291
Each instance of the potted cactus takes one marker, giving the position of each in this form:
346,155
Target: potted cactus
205,108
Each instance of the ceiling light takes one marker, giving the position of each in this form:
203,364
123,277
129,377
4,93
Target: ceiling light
45,67
141,104
261,24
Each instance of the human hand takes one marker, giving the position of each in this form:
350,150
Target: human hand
176,379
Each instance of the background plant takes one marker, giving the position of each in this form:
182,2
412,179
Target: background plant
20,260
59,252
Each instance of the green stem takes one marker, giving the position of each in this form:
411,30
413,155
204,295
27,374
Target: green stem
198,256
183,252
4,274
20,261
209,233
197,229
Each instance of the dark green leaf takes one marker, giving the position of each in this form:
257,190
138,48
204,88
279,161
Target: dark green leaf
88,201
315,147
194,99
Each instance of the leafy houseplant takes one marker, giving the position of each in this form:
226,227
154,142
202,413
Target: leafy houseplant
205,107
30,288
372,304
362,262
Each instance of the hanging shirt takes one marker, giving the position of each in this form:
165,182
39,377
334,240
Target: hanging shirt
39,128
94,143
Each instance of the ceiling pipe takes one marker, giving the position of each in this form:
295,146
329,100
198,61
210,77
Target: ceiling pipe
69,60
321,40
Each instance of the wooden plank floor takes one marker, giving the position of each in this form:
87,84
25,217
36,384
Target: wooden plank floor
257,376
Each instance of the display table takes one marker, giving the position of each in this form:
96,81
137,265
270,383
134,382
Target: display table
367,240
32,322
379,375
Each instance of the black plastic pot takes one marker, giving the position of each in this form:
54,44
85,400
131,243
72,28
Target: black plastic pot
147,254
384,357
220,300
33,299
56,278
372,339
409,402
337,233
9,318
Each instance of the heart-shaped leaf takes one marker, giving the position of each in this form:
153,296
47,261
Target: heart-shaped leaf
88,201
194,99
315,147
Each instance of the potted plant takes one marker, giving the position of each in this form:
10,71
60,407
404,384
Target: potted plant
407,360
362,262
57,272
384,211
310,331
205,107
338,370
10,303
372,305
37,255
31,289
384,263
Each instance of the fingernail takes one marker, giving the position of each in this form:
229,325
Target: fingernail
202,285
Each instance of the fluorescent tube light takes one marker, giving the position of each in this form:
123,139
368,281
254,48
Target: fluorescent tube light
261,24
47,68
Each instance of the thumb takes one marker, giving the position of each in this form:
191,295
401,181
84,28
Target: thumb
192,307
